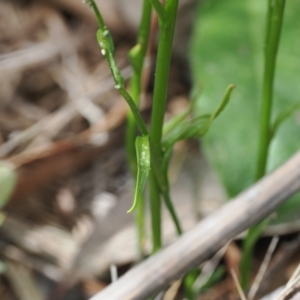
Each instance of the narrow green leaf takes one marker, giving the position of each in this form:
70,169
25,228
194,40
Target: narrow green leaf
194,128
176,120
284,115
8,179
224,101
143,167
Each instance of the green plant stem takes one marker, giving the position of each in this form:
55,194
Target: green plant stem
138,54
159,9
172,212
97,13
158,182
273,29
162,72
253,234
137,57
135,111
166,192
167,26
140,225
274,25
162,187
106,43
155,207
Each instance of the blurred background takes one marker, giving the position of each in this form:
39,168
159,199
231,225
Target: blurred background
64,230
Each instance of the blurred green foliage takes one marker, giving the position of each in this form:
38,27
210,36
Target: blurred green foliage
227,48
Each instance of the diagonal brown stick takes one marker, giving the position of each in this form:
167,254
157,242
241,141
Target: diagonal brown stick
197,245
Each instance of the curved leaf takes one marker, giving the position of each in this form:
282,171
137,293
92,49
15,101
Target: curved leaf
143,167
196,127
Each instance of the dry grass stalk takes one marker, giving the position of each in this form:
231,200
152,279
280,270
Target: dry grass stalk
208,236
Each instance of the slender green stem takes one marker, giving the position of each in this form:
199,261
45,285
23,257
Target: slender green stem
135,118
172,211
167,26
274,25
140,225
167,17
253,235
273,29
135,111
155,207
166,191
159,9
97,13
137,57
106,43
159,186
162,72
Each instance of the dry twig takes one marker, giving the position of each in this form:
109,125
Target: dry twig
248,208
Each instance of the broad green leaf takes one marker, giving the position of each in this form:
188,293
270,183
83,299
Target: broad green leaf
143,167
227,47
8,179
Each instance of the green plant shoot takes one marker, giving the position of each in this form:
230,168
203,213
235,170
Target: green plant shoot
274,24
143,168
197,127
107,49
153,150
136,57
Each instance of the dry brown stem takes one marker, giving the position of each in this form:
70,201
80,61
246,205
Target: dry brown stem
197,245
